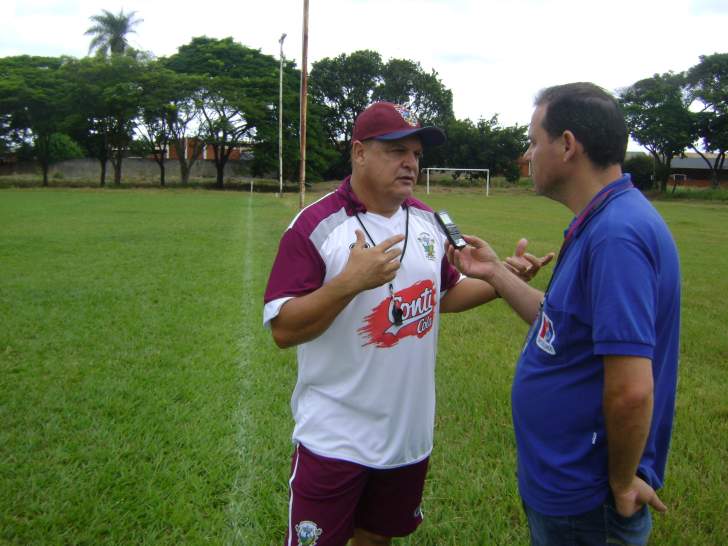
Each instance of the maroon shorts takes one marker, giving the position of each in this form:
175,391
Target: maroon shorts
329,498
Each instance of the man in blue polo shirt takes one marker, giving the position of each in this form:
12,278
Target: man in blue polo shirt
594,389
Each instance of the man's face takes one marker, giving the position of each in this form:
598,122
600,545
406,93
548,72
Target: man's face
545,156
391,167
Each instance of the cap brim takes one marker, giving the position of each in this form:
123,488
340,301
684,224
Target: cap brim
429,136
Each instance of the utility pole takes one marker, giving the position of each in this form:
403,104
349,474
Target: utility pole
280,119
304,95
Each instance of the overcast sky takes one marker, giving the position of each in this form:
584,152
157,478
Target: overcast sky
493,55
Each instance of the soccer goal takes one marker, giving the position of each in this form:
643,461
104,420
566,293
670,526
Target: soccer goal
486,171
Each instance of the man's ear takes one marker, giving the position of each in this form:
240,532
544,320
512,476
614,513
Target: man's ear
358,150
571,145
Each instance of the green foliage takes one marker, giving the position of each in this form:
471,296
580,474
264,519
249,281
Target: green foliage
642,169
512,172
236,95
345,85
34,102
62,147
657,114
708,84
485,145
107,97
405,82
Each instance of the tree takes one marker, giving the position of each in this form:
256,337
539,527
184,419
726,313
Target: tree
34,103
345,85
168,113
405,82
109,32
484,144
642,168
708,84
62,147
107,100
239,88
319,154
657,115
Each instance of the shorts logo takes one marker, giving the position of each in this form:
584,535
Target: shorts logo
428,245
419,514
407,116
546,335
417,303
308,533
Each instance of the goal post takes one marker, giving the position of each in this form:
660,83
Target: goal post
486,171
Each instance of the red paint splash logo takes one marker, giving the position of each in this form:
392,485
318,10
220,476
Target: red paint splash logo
418,312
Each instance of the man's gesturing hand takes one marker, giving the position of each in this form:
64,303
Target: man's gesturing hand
524,264
371,267
477,260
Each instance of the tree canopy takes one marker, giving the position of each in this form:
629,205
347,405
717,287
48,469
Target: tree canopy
345,85
222,95
657,115
34,102
707,83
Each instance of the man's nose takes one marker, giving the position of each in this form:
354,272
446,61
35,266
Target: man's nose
412,161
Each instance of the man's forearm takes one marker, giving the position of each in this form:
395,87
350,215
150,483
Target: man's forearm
467,294
524,299
627,407
305,318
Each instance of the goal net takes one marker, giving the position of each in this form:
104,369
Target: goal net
448,169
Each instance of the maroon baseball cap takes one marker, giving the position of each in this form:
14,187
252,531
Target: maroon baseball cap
387,121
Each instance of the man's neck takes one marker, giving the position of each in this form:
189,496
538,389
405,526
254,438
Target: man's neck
371,201
588,184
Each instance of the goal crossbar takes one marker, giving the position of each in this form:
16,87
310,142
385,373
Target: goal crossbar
486,171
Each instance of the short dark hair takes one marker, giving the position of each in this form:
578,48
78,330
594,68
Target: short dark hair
592,114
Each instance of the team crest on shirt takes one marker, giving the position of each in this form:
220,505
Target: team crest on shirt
308,533
417,304
546,335
408,116
428,245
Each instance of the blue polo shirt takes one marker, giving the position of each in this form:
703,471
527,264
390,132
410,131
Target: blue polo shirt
615,291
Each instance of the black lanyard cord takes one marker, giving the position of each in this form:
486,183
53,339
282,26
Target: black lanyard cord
406,232
396,309
597,204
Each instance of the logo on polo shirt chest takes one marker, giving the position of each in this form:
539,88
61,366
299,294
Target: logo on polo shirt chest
546,334
428,245
417,303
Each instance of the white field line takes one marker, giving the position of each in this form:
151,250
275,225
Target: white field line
243,476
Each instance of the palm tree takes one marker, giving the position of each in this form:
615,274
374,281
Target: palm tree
109,32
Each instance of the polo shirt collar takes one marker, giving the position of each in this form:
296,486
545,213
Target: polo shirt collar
620,185
353,204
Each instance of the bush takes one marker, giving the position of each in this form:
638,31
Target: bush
63,147
512,172
642,168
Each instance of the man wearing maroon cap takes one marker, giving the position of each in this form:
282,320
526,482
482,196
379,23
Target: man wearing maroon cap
358,284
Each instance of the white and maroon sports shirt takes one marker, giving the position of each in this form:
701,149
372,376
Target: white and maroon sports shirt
365,391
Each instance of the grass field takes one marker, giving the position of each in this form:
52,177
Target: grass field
142,402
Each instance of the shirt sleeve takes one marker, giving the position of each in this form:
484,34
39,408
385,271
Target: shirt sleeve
297,270
449,276
623,286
